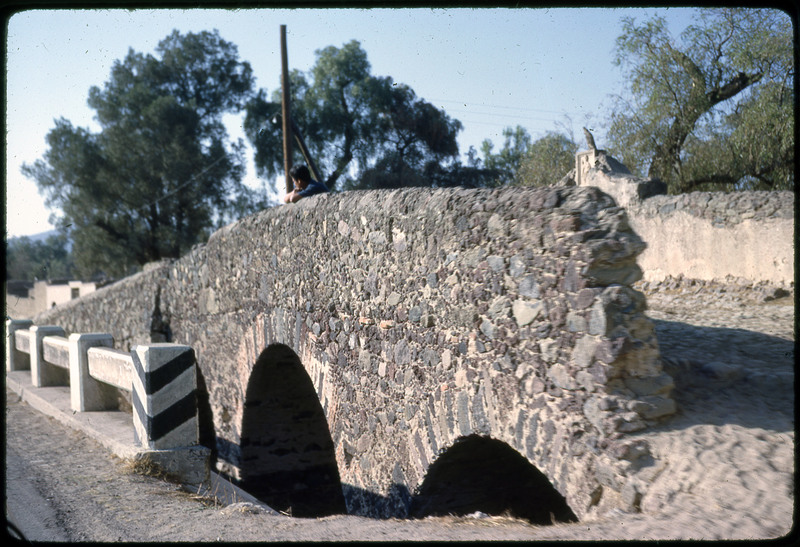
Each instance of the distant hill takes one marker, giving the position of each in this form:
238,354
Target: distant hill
41,236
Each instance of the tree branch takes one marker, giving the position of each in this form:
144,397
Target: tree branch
687,186
738,83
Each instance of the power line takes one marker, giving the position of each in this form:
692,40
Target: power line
182,186
498,124
506,116
503,107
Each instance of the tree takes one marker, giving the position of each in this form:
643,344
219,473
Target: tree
362,130
161,172
696,112
547,160
457,174
28,259
524,162
508,160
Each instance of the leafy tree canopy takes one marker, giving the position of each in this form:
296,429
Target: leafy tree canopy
525,162
161,173
508,160
363,131
696,112
547,160
28,259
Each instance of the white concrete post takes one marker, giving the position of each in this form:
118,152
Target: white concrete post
43,374
164,396
86,393
15,359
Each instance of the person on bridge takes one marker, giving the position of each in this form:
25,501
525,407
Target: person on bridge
304,185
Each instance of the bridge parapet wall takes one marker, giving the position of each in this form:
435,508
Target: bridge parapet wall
129,309
423,316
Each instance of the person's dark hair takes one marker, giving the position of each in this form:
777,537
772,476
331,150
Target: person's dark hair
300,172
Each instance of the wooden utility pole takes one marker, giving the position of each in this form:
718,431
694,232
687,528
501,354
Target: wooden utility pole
286,113
306,154
315,172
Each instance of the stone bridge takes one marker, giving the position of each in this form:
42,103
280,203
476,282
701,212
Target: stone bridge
412,352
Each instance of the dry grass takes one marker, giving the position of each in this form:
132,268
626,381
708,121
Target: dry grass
482,519
206,501
144,465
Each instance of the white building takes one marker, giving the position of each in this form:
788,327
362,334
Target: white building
25,299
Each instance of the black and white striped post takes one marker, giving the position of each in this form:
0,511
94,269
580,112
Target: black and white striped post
164,396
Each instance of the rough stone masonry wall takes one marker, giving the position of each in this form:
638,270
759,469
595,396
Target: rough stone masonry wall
422,316
129,310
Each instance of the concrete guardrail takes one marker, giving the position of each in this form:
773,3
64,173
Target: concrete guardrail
161,379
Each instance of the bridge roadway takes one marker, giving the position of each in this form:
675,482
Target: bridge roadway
380,352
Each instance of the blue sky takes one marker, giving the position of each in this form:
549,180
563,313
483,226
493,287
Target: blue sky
488,68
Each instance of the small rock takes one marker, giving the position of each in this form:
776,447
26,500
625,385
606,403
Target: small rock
526,312
242,507
496,263
661,384
774,293
652,407
630,450
529,287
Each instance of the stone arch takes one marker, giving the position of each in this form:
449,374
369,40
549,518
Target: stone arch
287,454
479,473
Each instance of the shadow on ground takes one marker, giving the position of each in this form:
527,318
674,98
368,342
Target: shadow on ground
728,376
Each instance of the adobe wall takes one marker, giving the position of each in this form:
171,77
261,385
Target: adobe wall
44,295
714,235
747,237
421,316
19,307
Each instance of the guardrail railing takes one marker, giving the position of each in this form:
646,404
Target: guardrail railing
161,378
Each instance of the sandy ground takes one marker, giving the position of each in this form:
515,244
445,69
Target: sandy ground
725,471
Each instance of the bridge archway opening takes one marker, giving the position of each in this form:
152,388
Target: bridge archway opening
483,474
287,454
